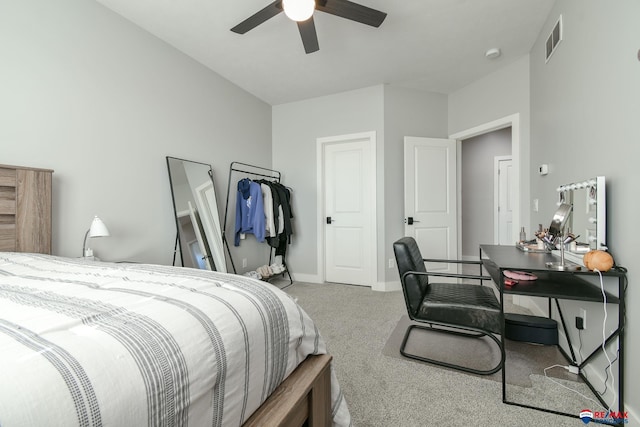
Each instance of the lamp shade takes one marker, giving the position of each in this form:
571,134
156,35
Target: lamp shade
298,10
98,229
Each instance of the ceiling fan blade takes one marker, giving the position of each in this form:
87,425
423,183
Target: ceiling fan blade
259,17
353,11
309,36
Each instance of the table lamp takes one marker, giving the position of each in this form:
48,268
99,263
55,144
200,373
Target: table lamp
97,229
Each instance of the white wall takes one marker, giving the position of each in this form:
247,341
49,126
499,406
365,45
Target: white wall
585,105
102,102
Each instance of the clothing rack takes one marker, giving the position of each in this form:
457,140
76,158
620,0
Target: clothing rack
257,171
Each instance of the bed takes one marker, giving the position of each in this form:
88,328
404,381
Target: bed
91,343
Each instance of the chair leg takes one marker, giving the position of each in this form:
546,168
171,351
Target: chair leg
475,333
469,334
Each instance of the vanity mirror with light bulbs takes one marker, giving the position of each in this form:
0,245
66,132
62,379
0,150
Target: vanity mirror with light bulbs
588,220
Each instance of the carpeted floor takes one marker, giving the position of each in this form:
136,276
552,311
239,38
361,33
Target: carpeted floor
382,390
481,353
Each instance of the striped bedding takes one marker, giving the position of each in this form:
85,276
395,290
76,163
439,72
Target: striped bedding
86,343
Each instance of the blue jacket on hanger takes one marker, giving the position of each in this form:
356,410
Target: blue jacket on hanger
250,218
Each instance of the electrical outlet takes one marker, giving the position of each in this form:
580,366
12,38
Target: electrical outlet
579,323
583,314
244,262
391,263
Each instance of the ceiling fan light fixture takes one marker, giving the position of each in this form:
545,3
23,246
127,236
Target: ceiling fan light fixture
298,10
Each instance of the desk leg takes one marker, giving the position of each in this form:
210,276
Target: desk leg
566,332
502,338
621,325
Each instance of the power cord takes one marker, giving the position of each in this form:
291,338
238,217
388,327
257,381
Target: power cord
564,386
604,339
580,348
608,369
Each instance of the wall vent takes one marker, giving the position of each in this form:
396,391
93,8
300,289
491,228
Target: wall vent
554,39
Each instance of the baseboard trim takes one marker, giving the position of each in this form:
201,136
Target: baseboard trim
387,286
307,278
530,304
633,415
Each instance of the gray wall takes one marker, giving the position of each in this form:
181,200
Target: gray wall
585,105
500,94
296,127
389,111
406,113
102,102
477,163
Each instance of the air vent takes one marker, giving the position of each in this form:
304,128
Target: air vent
554,39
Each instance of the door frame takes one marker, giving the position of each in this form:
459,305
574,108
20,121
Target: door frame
496,195
320,160
512,121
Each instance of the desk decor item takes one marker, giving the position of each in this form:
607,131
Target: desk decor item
598,260
557,236
520,275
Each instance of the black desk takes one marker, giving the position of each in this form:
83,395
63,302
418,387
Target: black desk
556,285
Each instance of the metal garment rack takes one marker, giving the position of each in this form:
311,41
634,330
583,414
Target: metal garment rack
239,167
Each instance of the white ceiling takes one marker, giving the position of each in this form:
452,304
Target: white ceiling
433,45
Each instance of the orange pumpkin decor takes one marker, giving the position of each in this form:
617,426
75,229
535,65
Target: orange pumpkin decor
598,260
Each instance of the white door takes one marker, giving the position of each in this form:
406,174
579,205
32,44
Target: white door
503,201
349,210
430,198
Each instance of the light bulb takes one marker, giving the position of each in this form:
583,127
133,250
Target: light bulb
298,10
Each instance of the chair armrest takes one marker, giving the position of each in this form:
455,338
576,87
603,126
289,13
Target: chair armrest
454,275
452,261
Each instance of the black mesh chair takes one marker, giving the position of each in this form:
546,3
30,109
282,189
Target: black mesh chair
464,309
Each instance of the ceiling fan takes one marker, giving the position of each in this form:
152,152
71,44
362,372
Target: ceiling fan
342,8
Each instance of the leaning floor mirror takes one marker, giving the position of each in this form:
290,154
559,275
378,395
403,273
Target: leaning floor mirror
199,237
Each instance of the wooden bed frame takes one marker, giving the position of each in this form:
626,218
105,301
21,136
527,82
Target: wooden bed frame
304,398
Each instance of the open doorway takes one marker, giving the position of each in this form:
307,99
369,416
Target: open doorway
478,190
512,122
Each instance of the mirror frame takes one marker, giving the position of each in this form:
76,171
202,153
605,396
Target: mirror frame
204,227
594,210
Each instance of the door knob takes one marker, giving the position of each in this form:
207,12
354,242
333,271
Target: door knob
329,220
410,220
